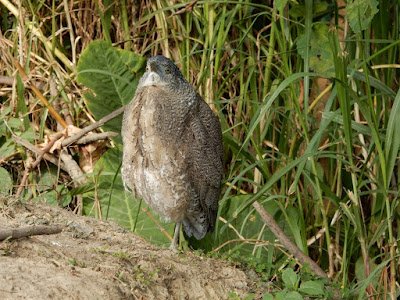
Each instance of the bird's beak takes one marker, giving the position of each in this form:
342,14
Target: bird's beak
152,75
153,67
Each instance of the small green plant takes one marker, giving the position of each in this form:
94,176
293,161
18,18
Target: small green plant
121,254
143,276
296,287
120,276
234,296
73,262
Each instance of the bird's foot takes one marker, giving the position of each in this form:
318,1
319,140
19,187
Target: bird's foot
174,247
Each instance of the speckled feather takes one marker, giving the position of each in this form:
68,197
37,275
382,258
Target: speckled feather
173,149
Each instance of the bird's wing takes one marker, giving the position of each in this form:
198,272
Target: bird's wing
205,155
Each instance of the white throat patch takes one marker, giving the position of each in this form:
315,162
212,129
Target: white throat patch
152,79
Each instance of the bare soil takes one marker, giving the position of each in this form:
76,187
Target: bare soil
94,259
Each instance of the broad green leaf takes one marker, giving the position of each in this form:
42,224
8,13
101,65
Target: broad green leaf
15,123
47,179
28,134
321,59
313,288
81,189
268,297
52,197
7,148
360,13
290,279
5,183
119,206
112,75
48,190
293,296
281,295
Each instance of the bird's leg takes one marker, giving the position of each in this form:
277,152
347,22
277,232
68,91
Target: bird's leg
174,243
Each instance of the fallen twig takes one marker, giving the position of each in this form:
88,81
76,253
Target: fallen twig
17,233
7,80
72,167
76,174
286,242
77,136
95,137
51,158
37,161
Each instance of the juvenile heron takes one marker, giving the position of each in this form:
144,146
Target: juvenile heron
172,155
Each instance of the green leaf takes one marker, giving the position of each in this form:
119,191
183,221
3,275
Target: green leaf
112,75
321,58
119,206
293,296
360,13
28,134
290,279
22,109
7,149
268,297
360,271
15,123
392,141
247,222
106,18
5,183
52,197
313,288
47,179
281,295
81,189
298,9
280,4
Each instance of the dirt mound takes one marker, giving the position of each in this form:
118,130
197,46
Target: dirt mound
94,259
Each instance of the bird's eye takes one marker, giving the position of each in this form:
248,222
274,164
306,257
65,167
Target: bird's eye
147,68
168,70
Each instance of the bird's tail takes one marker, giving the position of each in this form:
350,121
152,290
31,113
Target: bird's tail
196,225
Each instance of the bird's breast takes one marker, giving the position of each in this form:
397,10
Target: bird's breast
154,164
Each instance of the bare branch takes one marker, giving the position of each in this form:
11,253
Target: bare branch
286,242
99,123
17,233
37,161
51,158
95,137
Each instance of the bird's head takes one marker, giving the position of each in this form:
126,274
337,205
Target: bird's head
161,72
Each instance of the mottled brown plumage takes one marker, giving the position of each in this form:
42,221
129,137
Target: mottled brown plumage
173,150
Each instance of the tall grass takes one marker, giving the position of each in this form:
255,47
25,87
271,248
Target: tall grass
312,136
